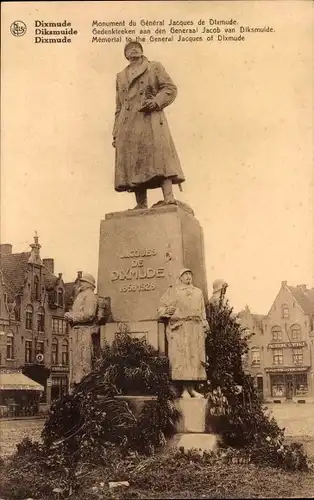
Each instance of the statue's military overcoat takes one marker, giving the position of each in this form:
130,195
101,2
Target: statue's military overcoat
145,151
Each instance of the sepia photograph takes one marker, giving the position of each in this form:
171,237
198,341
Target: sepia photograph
157,249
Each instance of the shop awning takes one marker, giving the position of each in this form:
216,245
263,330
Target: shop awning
18,382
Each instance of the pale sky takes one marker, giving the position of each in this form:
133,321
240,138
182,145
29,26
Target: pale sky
242,125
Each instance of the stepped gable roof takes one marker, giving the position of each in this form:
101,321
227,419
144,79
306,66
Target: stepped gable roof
258,318
304,297
14,269
49,279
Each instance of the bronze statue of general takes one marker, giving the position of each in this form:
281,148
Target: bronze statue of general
146,157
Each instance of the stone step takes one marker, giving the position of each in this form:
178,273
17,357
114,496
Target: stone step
194,440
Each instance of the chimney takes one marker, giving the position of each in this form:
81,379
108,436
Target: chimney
79,275
302,287
284,283
60,276
6,249
49,264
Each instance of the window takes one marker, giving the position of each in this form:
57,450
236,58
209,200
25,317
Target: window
65,352
259,383
40,347
245,358
60,297
29,318
54,351
41,320
36,288
295,332
256,360
246,334
59,326
28,351
297,355
17,309
59,387
276,333
278,386
284,311
301,385
10,346
278,357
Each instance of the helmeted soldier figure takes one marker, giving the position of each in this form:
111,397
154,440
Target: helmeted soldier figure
83,321
219,287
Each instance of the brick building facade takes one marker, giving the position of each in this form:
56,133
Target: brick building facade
288,345
281,356
33,332
253,362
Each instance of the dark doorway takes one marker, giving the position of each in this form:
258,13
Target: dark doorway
289,383
260,386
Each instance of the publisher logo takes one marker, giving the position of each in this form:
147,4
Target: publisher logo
18,28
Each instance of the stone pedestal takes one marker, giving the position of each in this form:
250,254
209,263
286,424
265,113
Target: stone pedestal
193,411
140,254
191,428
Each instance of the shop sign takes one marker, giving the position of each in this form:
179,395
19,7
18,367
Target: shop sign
287,344
10,370
287,369
60,369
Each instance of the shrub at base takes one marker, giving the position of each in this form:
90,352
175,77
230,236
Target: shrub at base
100,418
235,410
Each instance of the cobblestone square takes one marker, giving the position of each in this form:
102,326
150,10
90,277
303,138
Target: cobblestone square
13,431
297,419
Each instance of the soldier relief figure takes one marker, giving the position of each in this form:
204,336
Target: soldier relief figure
183,309
219,292
83,320
145,156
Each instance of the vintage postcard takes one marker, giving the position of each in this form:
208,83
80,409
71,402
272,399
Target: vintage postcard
156,167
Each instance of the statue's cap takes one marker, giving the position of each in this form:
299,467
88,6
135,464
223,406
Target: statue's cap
219,284
88,278
134,42
184,270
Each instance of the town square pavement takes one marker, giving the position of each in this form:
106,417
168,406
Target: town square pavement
298,420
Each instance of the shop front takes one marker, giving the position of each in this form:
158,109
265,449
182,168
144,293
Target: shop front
59,382
19,395
288,383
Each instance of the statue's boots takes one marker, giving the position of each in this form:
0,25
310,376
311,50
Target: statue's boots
141,198
196,394
185,394
167,191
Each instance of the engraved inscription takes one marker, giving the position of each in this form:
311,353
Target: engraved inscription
137,270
